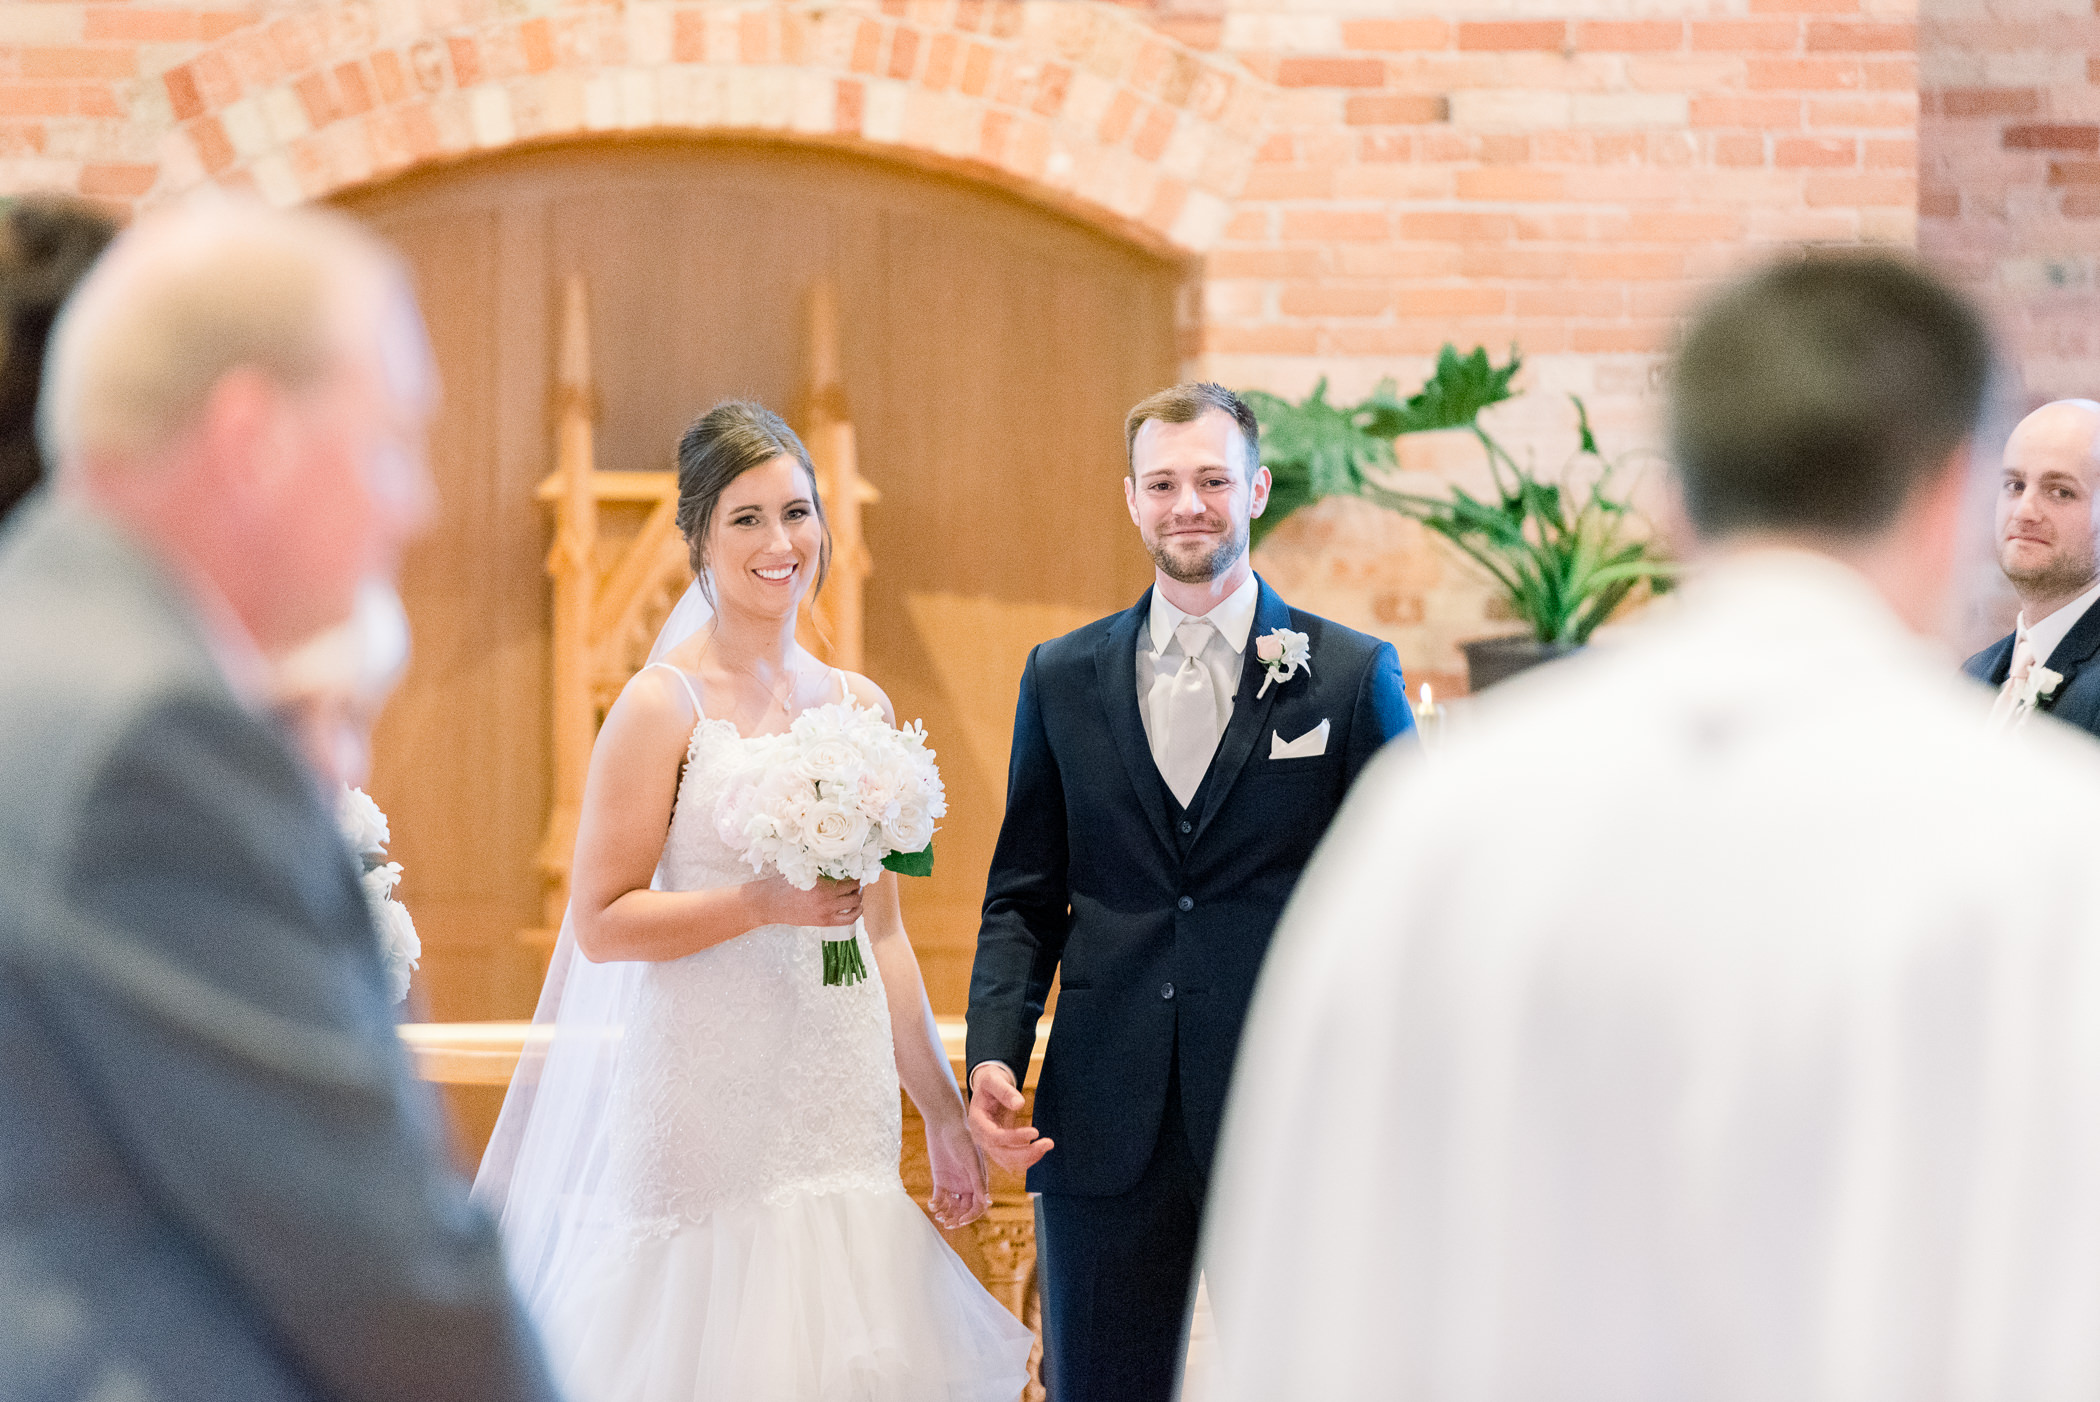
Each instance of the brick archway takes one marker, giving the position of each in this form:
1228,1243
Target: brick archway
1083,106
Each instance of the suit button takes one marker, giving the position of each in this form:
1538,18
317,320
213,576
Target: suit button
1187,902
1187,826
1166,990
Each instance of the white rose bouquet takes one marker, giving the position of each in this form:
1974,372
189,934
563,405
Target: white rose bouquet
364,827
841,795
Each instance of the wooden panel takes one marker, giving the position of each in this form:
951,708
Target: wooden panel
990,350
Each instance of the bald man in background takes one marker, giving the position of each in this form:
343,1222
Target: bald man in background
2049,548
218,1179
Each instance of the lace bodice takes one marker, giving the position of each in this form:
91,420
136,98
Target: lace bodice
742,1078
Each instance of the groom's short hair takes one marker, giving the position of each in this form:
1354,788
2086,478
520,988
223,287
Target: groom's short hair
1184,404
1819,394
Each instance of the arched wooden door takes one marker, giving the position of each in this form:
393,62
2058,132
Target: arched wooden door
990,349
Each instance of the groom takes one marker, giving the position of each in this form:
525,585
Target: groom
1173,768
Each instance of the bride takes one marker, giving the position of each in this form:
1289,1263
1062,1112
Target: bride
696,1165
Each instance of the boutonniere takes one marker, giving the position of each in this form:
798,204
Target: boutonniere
2041,684
1283,652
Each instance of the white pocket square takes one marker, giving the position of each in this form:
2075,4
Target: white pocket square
1312,742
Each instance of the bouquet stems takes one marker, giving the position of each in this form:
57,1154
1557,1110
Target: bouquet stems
842,963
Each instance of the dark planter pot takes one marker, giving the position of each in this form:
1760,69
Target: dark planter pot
1490,660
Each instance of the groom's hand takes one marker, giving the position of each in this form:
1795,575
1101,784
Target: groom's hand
995,1105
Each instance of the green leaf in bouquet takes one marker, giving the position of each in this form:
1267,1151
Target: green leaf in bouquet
919,863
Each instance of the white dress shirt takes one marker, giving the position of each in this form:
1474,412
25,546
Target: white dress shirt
1232,620
1747,1047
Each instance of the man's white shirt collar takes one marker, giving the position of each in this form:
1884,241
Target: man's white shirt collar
1233,617
2045,635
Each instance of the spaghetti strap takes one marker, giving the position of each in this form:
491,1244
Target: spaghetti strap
699,714
845,691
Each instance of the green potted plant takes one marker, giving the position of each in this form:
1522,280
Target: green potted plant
1564,554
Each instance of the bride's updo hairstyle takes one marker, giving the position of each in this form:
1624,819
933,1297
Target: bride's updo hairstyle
722,445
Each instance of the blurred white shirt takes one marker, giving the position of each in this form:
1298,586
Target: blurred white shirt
1717,1018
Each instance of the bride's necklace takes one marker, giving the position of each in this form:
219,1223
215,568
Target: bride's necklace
778,697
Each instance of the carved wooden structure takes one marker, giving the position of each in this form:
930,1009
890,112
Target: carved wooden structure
618,564
839,634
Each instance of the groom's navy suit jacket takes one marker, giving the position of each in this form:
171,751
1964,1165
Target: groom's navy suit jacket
2076,700
1158,917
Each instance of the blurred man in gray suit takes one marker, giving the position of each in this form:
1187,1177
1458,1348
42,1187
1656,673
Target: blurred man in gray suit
217,1178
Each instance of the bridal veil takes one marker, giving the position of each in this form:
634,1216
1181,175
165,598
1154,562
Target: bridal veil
546,1161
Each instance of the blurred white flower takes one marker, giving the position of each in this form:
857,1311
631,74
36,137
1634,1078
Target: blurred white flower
363,825
400,948
379,882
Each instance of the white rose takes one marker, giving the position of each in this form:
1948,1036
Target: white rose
363,825
913,828
833,832
400,948
833,760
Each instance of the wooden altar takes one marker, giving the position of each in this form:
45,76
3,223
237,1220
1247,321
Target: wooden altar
999,1247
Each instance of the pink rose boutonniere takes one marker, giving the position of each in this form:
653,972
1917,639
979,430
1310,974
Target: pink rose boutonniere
1282,652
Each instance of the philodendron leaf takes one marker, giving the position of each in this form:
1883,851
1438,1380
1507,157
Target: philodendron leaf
919,863
1462,386
1582,427
1551,547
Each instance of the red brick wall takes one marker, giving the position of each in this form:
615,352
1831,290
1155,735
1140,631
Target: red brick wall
2009,195
1352,183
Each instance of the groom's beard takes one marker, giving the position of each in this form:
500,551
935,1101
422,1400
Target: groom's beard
1200,569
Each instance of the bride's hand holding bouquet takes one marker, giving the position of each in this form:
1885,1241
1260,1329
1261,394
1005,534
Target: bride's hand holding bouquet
774,900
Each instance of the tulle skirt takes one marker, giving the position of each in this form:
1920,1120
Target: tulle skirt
835,1297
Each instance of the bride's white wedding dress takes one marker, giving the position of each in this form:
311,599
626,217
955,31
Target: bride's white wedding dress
748,1238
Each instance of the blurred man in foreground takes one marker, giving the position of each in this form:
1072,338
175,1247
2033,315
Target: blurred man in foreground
1717,1019
2049,547
217,1179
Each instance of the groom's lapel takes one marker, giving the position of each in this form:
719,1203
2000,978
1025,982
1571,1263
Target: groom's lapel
1999,661
2072,653
1115,664
1250,714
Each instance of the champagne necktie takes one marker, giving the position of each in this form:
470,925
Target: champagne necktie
2023,663
1191,714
